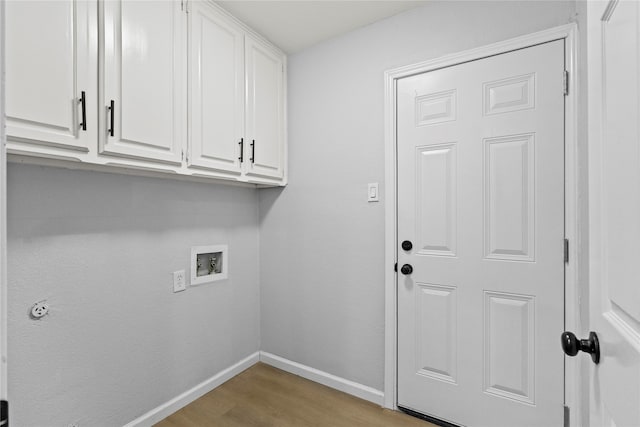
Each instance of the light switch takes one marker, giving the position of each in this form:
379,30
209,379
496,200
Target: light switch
372,192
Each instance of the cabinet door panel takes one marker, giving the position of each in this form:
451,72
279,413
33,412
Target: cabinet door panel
216,90
144,76
47,74
265,110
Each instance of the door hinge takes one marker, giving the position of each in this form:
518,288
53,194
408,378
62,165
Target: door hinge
395,267
566,251
566,416
184,6
4,413
182,157
565,82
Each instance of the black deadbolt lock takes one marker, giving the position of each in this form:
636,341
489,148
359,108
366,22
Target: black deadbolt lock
406,269
407,245
572,345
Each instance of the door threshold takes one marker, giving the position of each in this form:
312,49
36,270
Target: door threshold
432,420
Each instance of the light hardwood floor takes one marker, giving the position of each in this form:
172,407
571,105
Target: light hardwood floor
265,396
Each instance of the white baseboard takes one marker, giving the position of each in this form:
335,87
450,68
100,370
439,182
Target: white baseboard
168,408
324,378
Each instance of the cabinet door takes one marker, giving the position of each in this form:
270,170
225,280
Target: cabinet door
50,62
144,77
265,110
216,90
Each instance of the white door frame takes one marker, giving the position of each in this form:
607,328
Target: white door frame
572,291
3,216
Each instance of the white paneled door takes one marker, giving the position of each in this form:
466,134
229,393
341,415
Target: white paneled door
614,197
144,112
481,201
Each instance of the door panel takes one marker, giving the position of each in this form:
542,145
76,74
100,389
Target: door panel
144,76
509,346
481,195
614,170
265,110
47,75
436,355
436,199
216,90
508,200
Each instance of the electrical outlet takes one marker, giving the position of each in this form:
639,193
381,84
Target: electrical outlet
179,281
39,309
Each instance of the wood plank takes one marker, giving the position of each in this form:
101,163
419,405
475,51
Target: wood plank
267,396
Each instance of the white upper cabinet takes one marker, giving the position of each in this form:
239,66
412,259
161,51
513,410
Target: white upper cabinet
51,73
158,86
144,80
265,109
216,90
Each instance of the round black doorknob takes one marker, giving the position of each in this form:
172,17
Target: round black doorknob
407,245
406,269
572,345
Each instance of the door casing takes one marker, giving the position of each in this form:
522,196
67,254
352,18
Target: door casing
568,33
3,215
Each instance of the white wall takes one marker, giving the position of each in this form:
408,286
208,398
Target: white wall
100,248
321,243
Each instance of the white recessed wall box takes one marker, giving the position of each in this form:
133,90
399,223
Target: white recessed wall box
208,264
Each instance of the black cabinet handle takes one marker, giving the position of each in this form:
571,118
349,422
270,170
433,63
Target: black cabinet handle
571,345
241,158
83,106
253,151
112,109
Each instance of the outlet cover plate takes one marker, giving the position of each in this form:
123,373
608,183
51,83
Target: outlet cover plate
179,281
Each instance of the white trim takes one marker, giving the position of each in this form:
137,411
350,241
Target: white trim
572,225
178,402
3,215
390,239
324,378
572,319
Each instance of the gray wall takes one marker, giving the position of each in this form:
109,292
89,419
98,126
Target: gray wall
101,249
321,243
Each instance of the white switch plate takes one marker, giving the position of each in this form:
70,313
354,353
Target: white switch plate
372,192
179,281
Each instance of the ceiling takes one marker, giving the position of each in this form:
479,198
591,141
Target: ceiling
295,25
